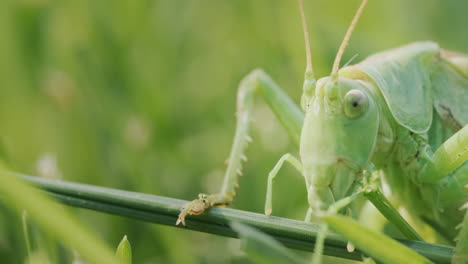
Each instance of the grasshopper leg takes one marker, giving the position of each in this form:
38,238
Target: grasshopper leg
448,157
288,113
332,210
461,250
271,177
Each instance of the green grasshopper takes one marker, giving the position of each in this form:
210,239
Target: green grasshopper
397,118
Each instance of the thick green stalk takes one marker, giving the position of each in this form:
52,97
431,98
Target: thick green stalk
162,210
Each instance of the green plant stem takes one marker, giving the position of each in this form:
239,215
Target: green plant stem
387,209
162,210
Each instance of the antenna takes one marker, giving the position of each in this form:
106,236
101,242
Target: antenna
336,64
309,71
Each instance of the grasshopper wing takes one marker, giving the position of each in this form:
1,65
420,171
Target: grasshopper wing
450,89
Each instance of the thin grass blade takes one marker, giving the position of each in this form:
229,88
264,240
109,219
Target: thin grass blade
262,248
52,218
375,244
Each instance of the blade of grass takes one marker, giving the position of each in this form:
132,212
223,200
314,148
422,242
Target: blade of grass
24,220
124,251
262,248
163,210
52,217
374,243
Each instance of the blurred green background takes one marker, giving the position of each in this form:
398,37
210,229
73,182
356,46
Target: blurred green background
140,95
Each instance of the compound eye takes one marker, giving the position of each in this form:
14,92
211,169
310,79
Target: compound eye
355,104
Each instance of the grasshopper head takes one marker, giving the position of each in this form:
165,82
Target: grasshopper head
338,138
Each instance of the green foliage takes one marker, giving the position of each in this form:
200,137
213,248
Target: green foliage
124,251
52,218
140,95
372,242
262,248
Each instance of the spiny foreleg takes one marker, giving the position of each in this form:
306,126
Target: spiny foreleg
289,114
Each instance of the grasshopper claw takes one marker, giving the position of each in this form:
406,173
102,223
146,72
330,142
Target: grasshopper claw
195,207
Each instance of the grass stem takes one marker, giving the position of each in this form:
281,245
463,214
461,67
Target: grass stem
163,210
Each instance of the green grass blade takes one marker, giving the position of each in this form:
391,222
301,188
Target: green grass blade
262,248
163,210
461,250
24,220
52,218
375,244
124,251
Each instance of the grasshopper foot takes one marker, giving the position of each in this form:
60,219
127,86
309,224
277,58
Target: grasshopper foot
195,207
198,206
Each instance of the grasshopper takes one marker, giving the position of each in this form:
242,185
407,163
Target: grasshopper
397,118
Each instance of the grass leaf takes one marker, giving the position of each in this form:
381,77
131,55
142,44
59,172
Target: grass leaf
263,248
375,244
52,218
124,251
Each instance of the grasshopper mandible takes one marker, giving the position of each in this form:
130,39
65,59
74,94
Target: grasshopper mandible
400,115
